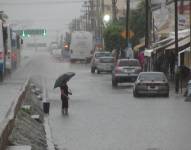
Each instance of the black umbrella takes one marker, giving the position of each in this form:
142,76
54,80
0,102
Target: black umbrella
63,79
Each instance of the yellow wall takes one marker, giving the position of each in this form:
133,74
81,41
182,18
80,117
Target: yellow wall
187,59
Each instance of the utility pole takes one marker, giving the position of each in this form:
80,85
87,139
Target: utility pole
190,25
147,24
92,15
127,22
102,25
114,11
176,26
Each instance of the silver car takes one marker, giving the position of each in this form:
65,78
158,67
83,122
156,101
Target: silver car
96,59
105,64
151,83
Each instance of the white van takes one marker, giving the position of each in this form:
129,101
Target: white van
81,45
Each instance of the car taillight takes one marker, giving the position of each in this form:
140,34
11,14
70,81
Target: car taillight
117,70
1,55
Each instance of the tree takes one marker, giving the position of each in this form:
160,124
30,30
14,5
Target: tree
137,23
112,36
112,33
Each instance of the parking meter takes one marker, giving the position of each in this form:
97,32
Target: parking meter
189,88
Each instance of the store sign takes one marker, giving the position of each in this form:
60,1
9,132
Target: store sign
182,21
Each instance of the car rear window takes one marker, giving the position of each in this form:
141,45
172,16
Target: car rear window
129,63
152,76
106,60
97,55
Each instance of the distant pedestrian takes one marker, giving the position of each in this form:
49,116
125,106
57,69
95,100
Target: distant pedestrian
172,60
64,97
141,59
177,79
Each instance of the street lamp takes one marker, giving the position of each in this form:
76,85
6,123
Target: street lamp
106,18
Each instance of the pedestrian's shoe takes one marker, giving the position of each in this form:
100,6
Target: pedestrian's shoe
66,111
63,110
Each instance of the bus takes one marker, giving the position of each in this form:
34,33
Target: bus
2,52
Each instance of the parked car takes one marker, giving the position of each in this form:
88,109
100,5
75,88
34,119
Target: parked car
96,59
105,64
151,83
125,70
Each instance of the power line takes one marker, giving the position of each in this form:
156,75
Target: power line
41,2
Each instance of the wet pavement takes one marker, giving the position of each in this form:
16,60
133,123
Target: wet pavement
106,118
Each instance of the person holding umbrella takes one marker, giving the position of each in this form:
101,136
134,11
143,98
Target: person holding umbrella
64,97
62,83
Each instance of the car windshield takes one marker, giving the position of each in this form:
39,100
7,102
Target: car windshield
129,63
152,76
98,55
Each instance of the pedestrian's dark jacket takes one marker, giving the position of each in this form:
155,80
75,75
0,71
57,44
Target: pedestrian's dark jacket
64,90
64,95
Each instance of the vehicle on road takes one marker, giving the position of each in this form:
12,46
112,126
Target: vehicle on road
125,70
151,83
81,46
2,52
96,59
105,64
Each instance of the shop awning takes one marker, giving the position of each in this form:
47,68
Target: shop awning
184,43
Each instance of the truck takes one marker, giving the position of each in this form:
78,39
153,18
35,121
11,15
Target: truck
81,45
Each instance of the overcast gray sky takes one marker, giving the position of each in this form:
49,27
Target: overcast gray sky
55,15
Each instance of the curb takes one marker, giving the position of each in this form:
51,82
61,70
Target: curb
7,124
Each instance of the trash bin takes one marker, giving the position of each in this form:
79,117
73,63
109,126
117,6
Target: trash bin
46,107
189,88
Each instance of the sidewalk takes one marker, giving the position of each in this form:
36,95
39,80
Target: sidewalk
181,92
10,87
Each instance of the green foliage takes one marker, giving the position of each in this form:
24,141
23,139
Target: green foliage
137,23
112,33
112,36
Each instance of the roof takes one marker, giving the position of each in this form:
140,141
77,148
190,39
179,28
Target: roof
170,43
181,43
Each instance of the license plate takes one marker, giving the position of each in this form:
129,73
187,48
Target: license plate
152,87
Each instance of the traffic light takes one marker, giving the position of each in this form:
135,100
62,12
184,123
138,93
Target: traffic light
44,32
23,33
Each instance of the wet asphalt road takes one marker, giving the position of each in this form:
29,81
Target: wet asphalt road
106,118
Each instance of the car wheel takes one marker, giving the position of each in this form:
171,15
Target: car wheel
135,94
1,76
92,70
114,83
166,95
